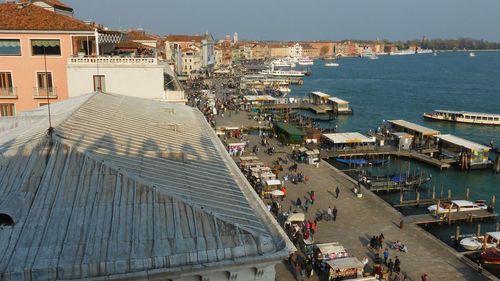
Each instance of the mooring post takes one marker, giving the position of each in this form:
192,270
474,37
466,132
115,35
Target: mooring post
434,193
418,198
467,194
470,218
478,230
449,214
497,226
493,201
457,234
401,198
449,194
437,207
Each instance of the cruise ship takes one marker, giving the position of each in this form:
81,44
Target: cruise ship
283,73
464,117
283,63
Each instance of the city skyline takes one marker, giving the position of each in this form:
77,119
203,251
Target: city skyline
294,20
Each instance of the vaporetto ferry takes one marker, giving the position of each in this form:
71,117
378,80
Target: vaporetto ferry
464,117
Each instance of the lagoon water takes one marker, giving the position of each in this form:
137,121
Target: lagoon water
404,87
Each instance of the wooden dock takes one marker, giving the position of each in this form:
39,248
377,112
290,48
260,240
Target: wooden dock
455,217
389,151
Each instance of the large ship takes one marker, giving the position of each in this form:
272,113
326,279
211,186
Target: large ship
464,117
402,52
283,63
283,73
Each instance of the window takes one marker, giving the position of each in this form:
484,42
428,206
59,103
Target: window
10,47
6,84
44,81
6,220
49,47
99,83
7,109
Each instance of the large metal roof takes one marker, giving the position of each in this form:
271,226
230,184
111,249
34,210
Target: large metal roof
353,137
415,127
463,142
125,187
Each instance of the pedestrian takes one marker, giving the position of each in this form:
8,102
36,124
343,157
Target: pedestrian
306,205
386,255
297,270
337,191
313,197
425,277
390,267
397,265
283,189
298,203
334,212
329,212
313,227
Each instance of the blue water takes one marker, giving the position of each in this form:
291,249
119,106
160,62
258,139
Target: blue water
404,87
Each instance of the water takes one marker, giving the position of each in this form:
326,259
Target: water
404,87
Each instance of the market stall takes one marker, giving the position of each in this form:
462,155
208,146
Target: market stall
331,251
345,268
270,185
312,157
235,149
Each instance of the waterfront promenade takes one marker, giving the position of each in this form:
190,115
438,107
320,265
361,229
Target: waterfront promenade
360,218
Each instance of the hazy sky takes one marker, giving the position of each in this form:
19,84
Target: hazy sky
301,19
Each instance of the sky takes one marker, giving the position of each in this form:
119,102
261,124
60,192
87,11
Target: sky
301,19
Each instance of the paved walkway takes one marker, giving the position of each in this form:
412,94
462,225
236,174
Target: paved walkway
360,218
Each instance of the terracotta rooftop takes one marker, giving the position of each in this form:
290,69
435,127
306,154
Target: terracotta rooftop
32,17
140,35
185,38
53,3
131,45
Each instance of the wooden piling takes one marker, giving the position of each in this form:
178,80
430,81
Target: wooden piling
467,194
457,234
434,192
449,214
493,201
401,198
449,194
497,226
437,207
478,230
418,198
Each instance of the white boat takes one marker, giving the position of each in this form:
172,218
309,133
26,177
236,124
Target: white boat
464,117
471,54
306,61
283,63
373,57
283,73
478,242
457,206
402,53
331,64
424,51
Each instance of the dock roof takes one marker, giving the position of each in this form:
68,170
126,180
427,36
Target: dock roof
463,142
320,94
289,128
337,100
125,187
415,127
353,137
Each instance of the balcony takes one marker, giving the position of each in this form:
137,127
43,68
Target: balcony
8,93
41,93
125,61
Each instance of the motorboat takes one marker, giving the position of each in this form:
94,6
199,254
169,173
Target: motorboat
424,51
491,239
283,73
305,61
402,53
464,117
331,64
458,206
491,255
283,63
472,54
373,57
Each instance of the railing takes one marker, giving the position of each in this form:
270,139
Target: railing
8,93
112,60
41,93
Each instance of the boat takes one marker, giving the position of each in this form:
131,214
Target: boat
491,255
328,58
402,53
464,117
435,54
474,243
458,206
424,51
361,161
283,73
283,63
331,64
411,181
373,57
305,61
472,54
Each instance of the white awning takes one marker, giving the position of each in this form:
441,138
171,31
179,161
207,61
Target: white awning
415,127
345,263
349,138
463,142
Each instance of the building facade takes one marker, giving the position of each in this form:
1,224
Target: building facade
35,45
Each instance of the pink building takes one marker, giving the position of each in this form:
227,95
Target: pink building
33,39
